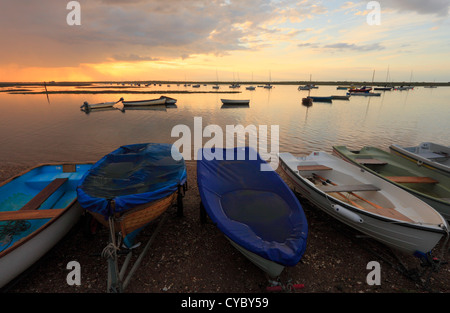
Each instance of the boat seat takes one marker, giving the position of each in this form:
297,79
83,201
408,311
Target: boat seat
44,194
29,214
371,161
313,168
412,179
349,188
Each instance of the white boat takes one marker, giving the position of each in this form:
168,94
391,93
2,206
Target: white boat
87,107
236,102
429,154
366,202
169,100
145,102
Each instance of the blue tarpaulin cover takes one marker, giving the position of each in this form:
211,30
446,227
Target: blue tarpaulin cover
253,208
132,175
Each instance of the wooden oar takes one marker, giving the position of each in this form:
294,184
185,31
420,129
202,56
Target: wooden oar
343,196
353,194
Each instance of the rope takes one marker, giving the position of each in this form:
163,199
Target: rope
111,248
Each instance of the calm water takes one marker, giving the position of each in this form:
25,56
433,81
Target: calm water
35,131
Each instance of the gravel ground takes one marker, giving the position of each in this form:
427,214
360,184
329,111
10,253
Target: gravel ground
190,257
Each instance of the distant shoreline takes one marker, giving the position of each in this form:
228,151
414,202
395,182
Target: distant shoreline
119,83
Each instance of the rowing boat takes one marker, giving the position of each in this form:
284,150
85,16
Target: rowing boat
426,184
429,154
321,99
161,100
37,209
133,185
253,208
87,107
366,202
235,102
169,100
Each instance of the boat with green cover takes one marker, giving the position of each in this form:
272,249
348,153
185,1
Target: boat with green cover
426,184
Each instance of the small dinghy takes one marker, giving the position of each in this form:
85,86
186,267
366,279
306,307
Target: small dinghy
37,209
128,189
158,101
429,185
103,105
366,202
254,209
429,154
235,102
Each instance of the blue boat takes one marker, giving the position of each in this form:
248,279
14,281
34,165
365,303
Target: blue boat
133,185
255,210
37,209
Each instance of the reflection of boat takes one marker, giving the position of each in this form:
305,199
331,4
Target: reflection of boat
426,184
340,97
38,208
255,210
161,100
321,99
237,102
428,154
366,202
87,107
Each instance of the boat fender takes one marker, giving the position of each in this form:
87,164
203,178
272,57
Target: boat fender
347,213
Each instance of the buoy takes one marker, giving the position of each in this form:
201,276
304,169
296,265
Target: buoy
347,213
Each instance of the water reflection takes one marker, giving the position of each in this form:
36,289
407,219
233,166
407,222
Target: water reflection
34,130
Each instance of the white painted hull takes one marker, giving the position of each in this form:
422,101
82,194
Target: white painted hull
433,155
421,234
17,260
145,102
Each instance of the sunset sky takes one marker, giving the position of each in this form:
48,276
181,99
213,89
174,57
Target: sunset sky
285,40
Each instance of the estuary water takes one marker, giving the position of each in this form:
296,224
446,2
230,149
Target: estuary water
34,130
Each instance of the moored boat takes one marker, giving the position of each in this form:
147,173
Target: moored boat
366,202
235,101
362,89
340,97
87,107
426,184
169,100
364,94
253,208
158,101
429,154
321,99
37,209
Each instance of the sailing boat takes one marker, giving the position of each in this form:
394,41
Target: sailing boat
250,87
269,86
216,86
385,88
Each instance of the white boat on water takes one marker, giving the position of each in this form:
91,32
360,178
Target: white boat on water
161,100
366,202
87,107
236,102
428,154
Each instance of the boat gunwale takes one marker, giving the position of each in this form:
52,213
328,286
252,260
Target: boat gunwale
32,235
354,209
416,158
424,195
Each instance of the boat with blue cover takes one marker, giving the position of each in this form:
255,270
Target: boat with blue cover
255,210
128,189
37,209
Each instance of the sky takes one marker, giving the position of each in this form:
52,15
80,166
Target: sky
224,40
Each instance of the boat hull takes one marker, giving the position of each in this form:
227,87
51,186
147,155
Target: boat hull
235,102
45,233
145,102
396,234
433,156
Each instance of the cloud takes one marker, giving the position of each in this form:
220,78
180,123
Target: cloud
355,47
435,7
